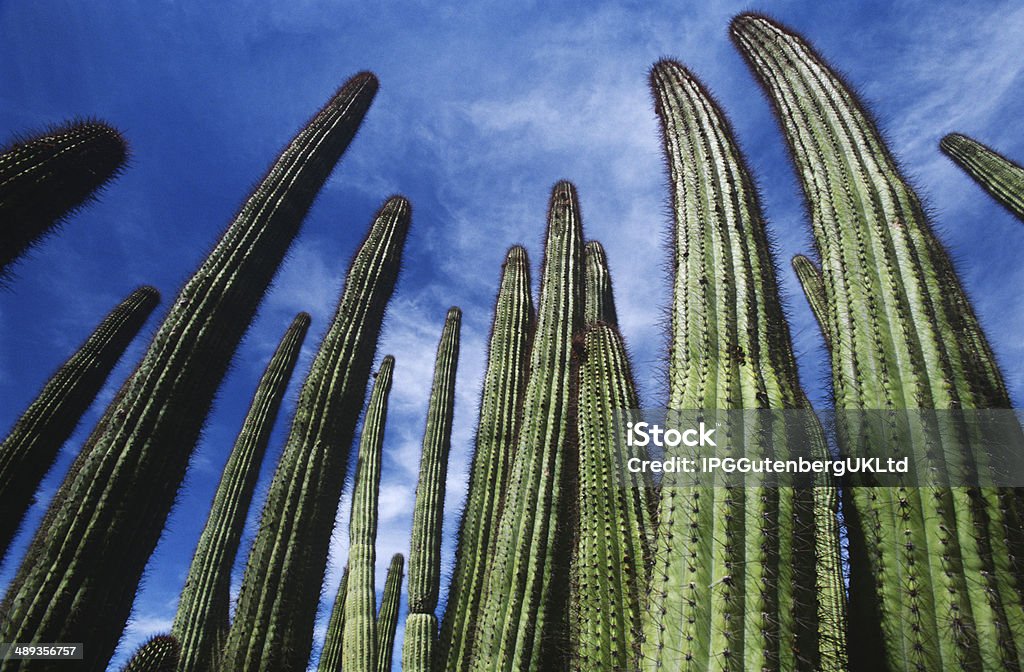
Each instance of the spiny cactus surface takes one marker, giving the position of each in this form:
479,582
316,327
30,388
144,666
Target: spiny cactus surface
334,642
159,654
387,616
996,174
598,297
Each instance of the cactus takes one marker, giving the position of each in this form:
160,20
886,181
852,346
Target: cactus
428,513
158,654
32,446
932,584
1001,178
273,626
85,562
201,622
814,290
599,300
729,561
522,622
387,617
612,552
45,178
360,634
500,404
330,655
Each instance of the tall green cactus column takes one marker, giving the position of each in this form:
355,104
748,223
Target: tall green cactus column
83,567
201,622
727,557
523,607
330,655
428,514
36,438
938,562
1001,178
273,626
598,297
500,403
387,616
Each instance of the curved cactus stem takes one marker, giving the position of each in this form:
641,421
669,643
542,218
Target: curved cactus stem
523,606
330,655
84,565
273,625
158,654
201,622
612,554
30,449
940,560
1001,178
360,644
47,177
387,617
814,290
500,404
598,297
428,513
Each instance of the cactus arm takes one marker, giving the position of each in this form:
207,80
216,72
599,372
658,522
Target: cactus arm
273,625
32,446
360,647
814,290
47,177
201,622
159,654
330,655
428,511
522,602
1001,178
84,564
387,617
598,297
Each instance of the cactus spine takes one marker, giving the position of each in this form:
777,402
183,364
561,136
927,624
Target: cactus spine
82,569
500,404
201,622
599,300
723,591
1001,178
387,617
47,177
330,655
159,654
903,337
273,626
523,605
814,290
31,447
360,639
612,553
428,514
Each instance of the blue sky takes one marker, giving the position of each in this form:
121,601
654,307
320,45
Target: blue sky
481,109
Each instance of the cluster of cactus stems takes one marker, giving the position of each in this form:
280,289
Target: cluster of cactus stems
565,560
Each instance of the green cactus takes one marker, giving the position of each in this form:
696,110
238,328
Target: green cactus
814,290
273,626
32,446
201,622
82,569
158,654
428,512
730,561
932,584
360,634
500,403
45,178
1001,178
599,300
330,655
612,552
387,617
523,609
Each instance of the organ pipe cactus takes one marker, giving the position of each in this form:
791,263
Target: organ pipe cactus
159,654
500,403
428,513
996,174
273,625
81,571
932,582
612,552
45,178
360,639
330,655
724,588
387,617
201,622
32,446
521,626
599,299
814,289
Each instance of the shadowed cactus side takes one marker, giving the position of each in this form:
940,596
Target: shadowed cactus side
201,622
1001,178
36,438
387,616
330,654
159,654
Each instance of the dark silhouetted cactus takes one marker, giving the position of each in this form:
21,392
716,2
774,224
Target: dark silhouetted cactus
387,617
45,178
159,654
995,173
428,512
32,446
273,626
599,300
201,622
500,403
330,655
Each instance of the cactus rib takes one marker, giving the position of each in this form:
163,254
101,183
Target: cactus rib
1001,178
